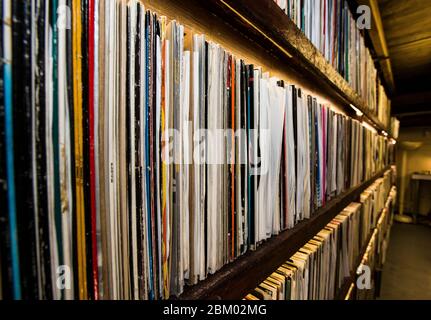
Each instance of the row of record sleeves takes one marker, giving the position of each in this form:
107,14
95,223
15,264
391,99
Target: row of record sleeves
375,255
334,31
137,157
319,269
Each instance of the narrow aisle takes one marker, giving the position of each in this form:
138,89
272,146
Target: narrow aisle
407,271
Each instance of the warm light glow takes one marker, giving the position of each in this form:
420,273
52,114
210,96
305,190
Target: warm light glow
369,126
359,113
257,29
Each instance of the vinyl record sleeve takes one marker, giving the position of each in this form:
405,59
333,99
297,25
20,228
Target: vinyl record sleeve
65,156
5,249
51,136
86,162
40,175
111,145
91,171
99,159
291,156
122,152
223,231
158,94
129,127
244,161
148,151
131,140
284,183
238,158
165,180
152,146
311,129
77,26
53,27
101,16
233,159
169,67
22,118
194,232
204,123
251,161
229,163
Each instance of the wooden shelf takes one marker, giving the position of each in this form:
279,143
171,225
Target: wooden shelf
265,23
235,280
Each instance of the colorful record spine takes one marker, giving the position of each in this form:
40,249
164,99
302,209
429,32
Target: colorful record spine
233,212
55,128
86,162
9,135
150,222
23,118
5,277
65,154
91,111
165,155
79,170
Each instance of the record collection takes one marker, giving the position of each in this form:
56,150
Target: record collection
320,268
138,157
332,28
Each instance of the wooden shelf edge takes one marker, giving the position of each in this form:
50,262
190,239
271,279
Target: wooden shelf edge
264,20
234,280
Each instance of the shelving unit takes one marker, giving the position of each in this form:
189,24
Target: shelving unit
262,24
238,278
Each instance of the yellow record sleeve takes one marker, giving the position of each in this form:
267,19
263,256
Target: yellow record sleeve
77,101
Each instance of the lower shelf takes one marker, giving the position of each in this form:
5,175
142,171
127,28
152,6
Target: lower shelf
344,289
236,279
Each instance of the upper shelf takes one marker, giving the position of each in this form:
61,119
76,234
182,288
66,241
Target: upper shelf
378,39
265,23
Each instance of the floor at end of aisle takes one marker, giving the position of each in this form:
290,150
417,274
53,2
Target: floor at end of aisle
407,274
